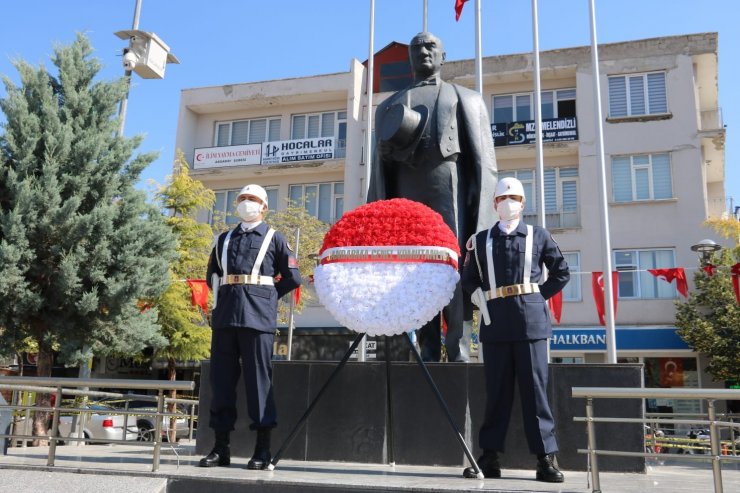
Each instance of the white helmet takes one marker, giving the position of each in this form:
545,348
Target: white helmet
509,186
256,191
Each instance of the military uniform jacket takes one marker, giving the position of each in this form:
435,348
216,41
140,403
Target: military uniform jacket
249,305
522,317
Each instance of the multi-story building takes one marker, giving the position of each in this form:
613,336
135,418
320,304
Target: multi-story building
303,139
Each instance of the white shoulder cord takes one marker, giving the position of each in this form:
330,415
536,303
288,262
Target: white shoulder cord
223,253
262,253
528,255
489,263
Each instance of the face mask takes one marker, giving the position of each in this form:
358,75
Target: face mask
509,209
248,210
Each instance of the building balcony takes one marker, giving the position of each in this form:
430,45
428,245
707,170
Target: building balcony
711,120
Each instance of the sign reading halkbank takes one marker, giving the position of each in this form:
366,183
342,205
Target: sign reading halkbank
289,151
217,157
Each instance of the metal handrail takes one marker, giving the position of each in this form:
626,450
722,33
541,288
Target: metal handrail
57,387
710,395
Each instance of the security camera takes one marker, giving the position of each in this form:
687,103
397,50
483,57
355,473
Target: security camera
129,59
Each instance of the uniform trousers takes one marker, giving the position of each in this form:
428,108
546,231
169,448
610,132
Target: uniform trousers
429,335
254,348
525,362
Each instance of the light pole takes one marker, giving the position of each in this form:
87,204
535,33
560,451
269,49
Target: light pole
706,247
147,55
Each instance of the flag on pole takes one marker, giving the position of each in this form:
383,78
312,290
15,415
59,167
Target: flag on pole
199,292
458,8
597,286
670,274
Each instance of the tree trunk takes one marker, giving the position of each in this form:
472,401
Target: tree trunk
172,407
41,418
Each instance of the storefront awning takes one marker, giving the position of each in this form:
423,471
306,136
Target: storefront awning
633,338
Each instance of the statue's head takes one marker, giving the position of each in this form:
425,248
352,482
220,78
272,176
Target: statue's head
426,55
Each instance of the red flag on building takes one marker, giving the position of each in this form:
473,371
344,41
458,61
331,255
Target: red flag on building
735,272
669,275
556,305
597,286
458,8
199,291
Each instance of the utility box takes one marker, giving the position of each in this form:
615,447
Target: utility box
147,55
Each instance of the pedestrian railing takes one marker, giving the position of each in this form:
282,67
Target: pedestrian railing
711,422
60,387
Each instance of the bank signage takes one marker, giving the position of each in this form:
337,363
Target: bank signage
290,151
523,132
217,157
627,338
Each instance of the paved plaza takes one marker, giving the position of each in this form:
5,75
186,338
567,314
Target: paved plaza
127,468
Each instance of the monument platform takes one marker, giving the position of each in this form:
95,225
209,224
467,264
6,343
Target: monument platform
127,468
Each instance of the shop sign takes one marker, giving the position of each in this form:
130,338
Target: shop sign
290,151
627,338
523,132
219,157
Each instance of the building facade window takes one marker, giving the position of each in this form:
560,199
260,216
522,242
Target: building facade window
637,94
634,280
572,290
561,196
322,200
520,107
329,124
641,177
224,208
241,132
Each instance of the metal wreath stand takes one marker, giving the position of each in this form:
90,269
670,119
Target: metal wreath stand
336,371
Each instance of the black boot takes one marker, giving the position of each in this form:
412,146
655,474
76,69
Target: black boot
489,466
546,470
221,453
261,457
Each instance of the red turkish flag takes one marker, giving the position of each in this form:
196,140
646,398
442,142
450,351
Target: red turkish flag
735,272
669,275
199,292
556,305
458,8
296,296
597,286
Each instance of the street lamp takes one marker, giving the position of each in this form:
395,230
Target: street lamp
706,247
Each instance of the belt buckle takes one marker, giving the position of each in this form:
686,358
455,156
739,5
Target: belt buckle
509,290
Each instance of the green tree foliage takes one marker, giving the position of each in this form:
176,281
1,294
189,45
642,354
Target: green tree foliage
79,245
312,232
710,320
184,325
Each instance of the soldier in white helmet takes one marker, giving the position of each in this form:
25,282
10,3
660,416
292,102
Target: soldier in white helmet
502,271
242,272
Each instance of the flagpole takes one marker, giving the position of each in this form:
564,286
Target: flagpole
478,55
611,344
424,20
369,127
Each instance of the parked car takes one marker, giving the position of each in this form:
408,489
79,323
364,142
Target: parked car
146,422
101,423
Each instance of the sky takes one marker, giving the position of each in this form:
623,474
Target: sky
234,41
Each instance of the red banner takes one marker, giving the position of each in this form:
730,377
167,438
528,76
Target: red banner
597,286
735,272
556,305
199,292
669,275
709,269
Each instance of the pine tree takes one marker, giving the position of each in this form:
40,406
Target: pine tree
184,325
79,245
710,320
